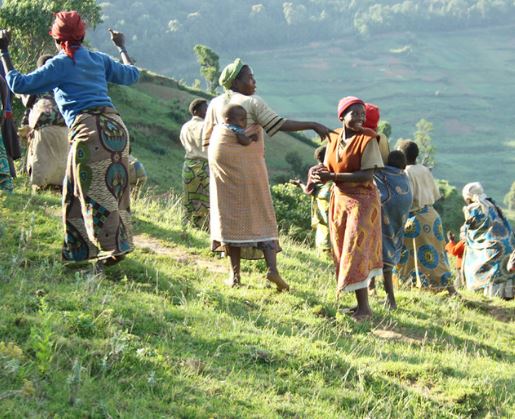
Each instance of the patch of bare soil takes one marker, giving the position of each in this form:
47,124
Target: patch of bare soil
180,255
392,335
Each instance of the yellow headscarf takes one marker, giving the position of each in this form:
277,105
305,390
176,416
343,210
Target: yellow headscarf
230,73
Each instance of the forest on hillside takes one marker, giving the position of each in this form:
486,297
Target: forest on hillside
163,31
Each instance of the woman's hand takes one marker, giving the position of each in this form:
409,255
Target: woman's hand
322,131
5,39
118,38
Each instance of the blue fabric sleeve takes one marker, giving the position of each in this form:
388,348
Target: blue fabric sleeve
119,73
41,80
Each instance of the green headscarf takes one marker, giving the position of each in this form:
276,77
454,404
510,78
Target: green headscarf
230,73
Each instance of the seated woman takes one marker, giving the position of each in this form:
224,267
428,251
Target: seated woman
423,259
489,242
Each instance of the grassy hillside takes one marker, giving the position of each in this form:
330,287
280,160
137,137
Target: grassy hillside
456,80
160,336
154,110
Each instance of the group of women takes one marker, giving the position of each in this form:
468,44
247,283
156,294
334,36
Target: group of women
96,208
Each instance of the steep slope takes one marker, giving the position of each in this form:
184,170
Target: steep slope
160,336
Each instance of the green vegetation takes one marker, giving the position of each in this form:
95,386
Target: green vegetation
29,21
209,66
246,25
509,198
160,336
471,128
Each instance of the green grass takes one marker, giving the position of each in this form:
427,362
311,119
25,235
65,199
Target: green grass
160,336
456,80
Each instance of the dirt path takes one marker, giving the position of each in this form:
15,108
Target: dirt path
153,245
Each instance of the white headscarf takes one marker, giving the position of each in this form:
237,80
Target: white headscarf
473,191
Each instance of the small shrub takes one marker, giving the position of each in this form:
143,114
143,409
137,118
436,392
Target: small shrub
450,207
293,211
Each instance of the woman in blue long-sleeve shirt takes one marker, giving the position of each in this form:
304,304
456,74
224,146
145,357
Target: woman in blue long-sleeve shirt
96,195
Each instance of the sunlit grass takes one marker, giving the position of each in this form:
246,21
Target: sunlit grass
159,335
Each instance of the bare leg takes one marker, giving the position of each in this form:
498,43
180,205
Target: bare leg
273,273
451,290
372,287
364,309
388,287
235,258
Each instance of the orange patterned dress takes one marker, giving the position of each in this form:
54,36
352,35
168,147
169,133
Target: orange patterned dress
355,212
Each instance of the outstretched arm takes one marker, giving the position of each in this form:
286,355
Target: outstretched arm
320,129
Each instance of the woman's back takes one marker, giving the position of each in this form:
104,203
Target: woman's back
423,186
78,84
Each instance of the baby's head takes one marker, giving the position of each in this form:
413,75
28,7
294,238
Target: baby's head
397,159
235,115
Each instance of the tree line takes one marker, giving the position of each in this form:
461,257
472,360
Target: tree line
163,34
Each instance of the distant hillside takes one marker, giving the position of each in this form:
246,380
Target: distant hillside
461,81
155,26
155,109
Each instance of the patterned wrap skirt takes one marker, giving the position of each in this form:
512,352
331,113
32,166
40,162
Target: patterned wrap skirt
96,192
489,244
6,181
355,230
195,180
423,260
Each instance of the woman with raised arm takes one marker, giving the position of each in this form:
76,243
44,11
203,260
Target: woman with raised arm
96,196
242,217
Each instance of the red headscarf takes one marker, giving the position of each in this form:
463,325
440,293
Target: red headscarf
344,104
69,29
371,116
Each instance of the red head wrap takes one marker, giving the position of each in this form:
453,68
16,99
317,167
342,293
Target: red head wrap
346,102
68,28
371,116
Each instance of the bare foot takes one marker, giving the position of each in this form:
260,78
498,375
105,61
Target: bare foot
390,304
234,281
277,280
362,315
